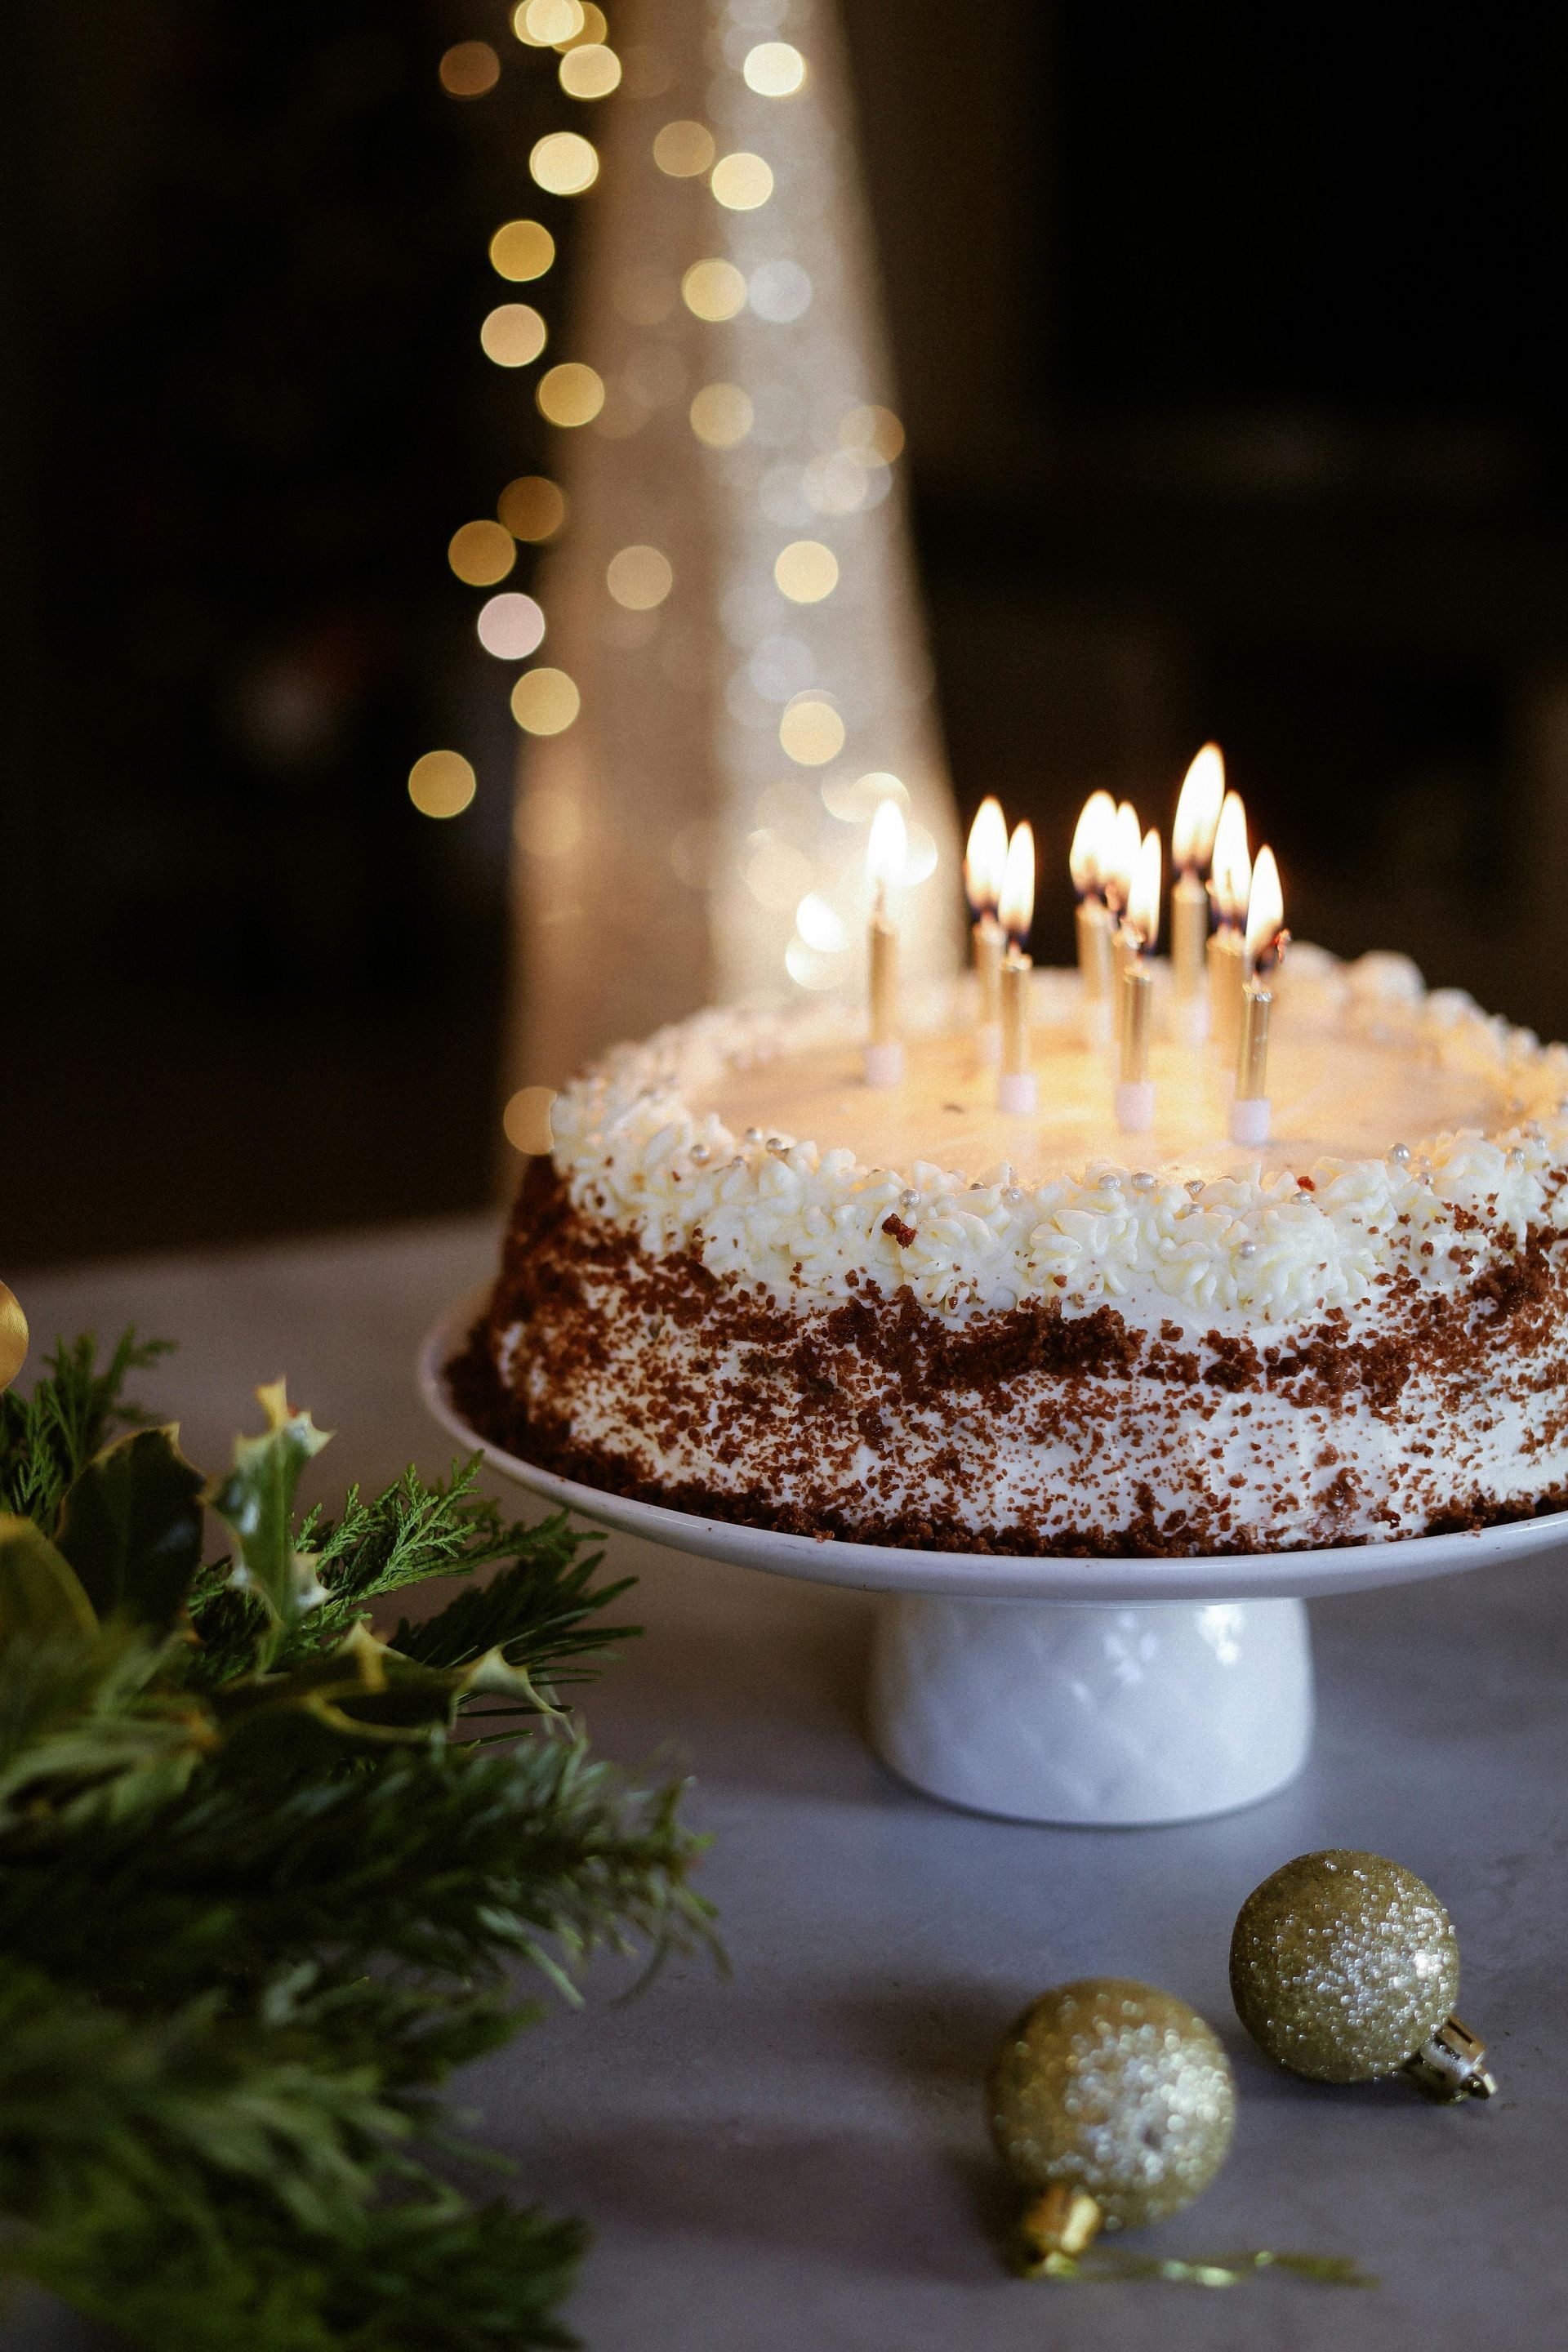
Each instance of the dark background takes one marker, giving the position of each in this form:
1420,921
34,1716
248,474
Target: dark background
1225,337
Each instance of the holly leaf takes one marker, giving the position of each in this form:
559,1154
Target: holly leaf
131,1527
256,1501
51,1659
41,1597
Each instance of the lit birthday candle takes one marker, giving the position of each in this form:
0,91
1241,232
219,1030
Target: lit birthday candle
983,863
1230,880
1015,1089
1266,941
1126,839
1088,860
1192,845
885,855
1139,930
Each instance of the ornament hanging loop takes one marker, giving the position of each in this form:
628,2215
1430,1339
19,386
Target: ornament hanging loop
1451,2064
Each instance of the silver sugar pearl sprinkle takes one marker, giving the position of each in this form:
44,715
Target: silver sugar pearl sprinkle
1141,1180
1401,1153
1516,1157
753,1134
1247,1249
909,1199
1011,1196
1195,1186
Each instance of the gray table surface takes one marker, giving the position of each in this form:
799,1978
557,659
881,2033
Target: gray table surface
795,2156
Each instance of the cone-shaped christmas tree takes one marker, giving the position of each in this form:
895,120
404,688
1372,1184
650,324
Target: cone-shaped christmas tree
733,598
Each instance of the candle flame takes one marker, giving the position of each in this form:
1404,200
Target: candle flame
1017,904
1125,837
887,850
1090,853
1143,896
1197,811
986,858
1230,876
1266,933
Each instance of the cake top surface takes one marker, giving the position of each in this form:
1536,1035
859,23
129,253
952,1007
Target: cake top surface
1412,1132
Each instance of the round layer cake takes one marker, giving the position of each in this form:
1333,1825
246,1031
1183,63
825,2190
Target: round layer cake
746,1285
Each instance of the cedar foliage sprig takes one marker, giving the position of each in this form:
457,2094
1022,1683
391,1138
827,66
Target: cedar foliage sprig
262,1887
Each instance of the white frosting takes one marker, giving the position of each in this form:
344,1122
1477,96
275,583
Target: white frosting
1203,1234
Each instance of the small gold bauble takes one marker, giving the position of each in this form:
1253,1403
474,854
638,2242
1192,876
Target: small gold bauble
1116,2089
12,1338
1341,1965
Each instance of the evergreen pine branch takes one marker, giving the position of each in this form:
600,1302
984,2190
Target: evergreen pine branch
190,2186
258,1897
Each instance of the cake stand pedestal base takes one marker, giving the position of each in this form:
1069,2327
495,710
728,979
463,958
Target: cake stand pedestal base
1098,1715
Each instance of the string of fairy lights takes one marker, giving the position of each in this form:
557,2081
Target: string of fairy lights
570,393
808,656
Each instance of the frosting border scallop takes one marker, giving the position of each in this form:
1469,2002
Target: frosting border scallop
809,1228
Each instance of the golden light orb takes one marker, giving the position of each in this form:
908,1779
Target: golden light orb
480,553
683,150
522,249
570,393
872,433
546,24
714,290
532,507
722,416
590,70
811,731
741,182
544,702
525,1123
441,783
806,571
773,70
639,578
468,69
564,162
512,335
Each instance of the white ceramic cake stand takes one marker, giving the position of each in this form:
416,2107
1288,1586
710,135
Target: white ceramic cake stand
1098,1692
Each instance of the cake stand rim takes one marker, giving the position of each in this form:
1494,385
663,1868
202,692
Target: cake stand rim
980,1576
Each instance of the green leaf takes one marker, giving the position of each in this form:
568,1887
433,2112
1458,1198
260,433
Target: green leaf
130,1526
51,1658
41,1598
256,1499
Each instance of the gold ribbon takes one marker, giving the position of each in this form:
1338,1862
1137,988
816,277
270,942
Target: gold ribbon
1107,2264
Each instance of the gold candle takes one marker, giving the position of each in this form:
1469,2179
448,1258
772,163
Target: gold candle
1094,951
989,943
1192,833
885,854
1014,978
1265,941
1231,883
884,942
1089,862
1227,977
1252,1056
1137,1015
1189,935
1134,1088
1015,1087
984,862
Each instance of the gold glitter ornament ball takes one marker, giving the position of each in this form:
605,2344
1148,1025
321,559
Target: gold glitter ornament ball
1118,2089
1342,1964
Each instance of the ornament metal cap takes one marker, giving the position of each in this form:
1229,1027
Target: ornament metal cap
1451,2064
1062,2221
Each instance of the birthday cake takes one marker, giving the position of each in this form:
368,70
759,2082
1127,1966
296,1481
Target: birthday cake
745,1284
